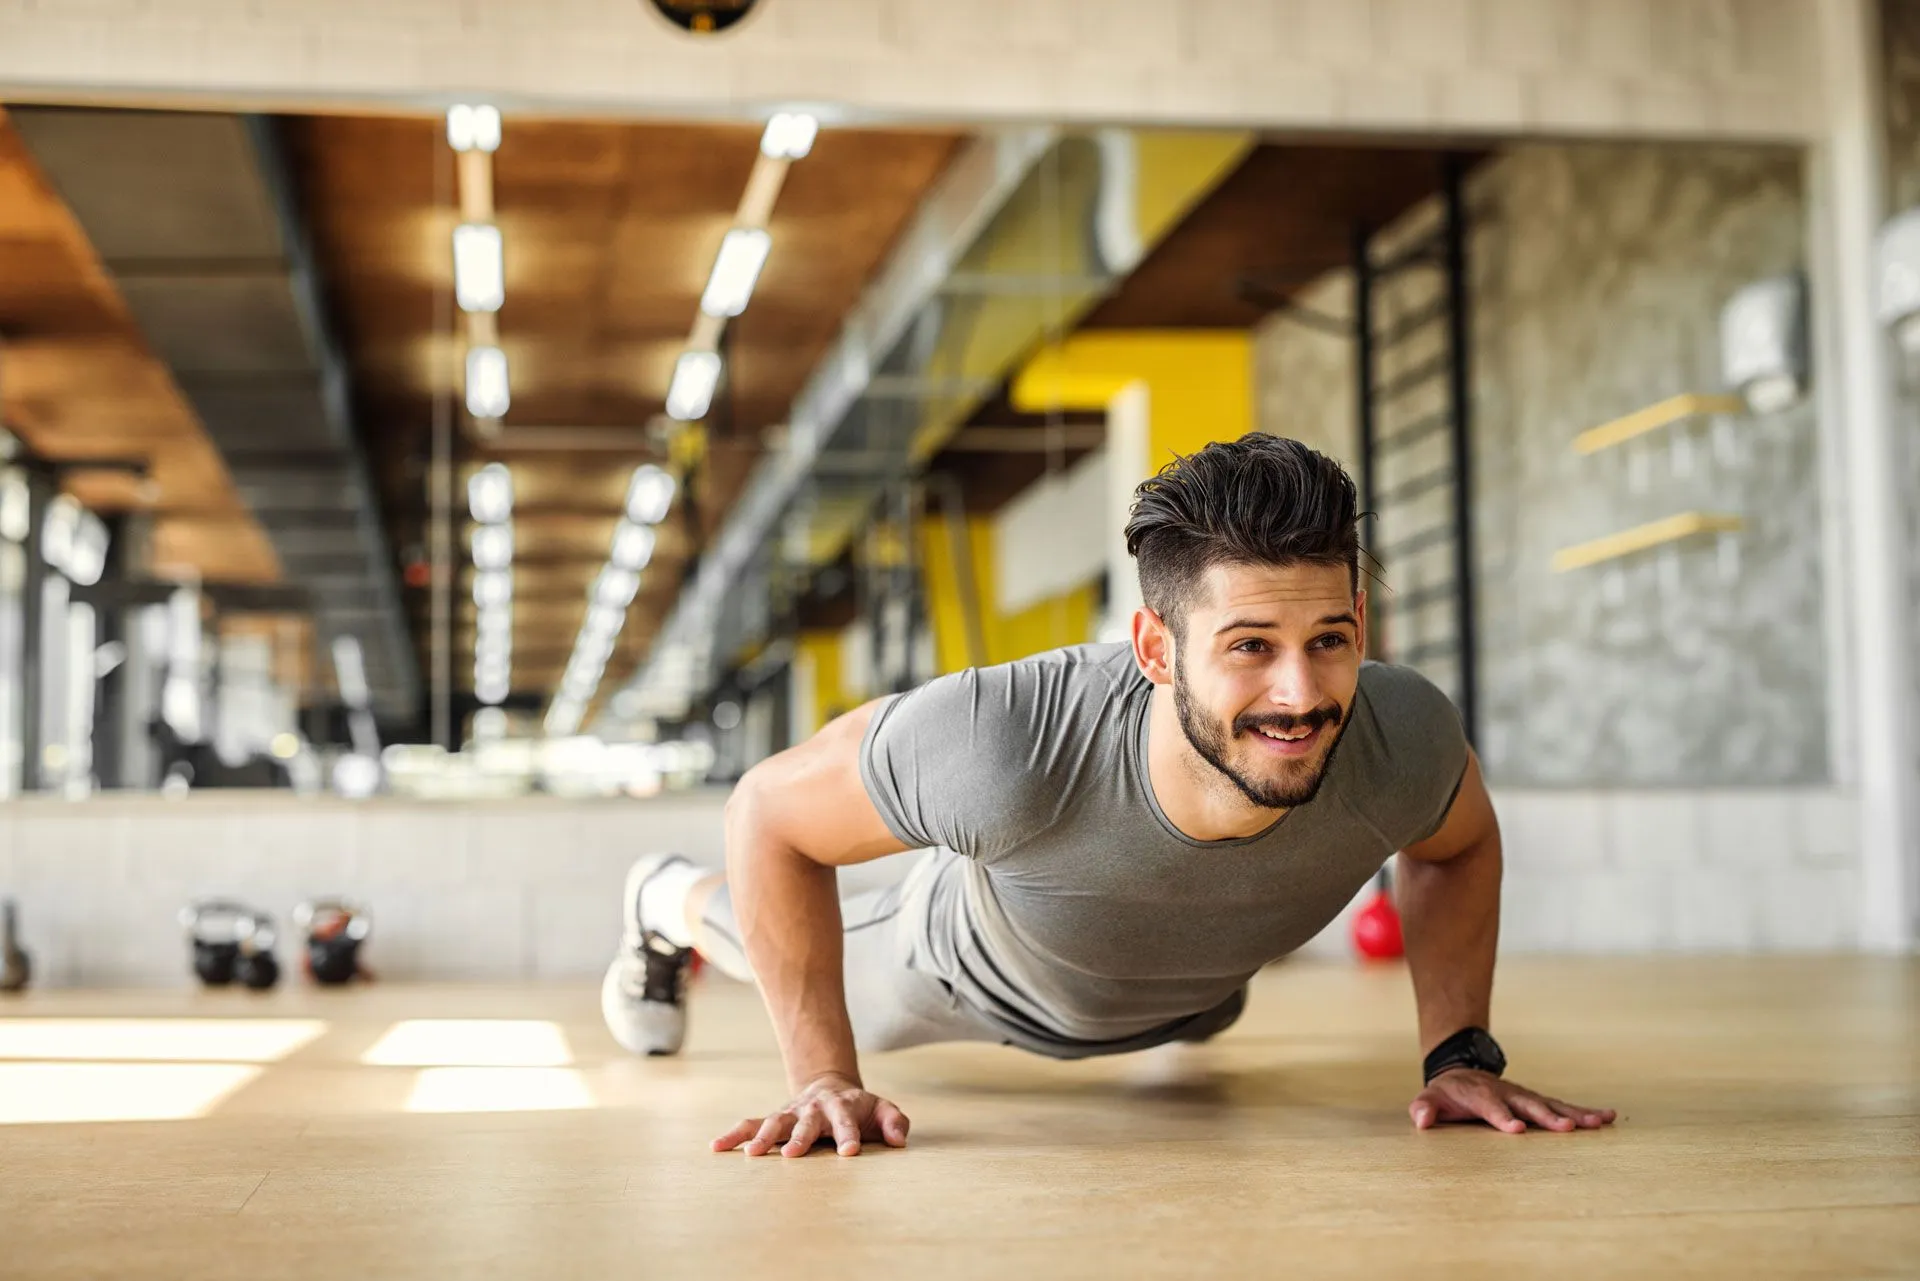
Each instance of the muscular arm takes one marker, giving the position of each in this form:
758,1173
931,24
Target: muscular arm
1449,895
790,822
1449,901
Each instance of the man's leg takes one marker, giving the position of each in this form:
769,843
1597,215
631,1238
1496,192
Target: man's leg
892,1003
643,997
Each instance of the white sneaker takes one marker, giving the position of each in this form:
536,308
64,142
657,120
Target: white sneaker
644,995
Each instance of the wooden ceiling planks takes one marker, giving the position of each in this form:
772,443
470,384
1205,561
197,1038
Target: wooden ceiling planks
609,230
1289,208
78,381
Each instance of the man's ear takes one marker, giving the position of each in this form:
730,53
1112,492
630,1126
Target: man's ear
1153,646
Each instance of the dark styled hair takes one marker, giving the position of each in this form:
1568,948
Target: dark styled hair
1258,500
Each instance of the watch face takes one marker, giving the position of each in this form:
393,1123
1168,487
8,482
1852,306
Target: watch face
1487,1050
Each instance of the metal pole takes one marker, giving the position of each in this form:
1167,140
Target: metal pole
1460,394
1363,403
110,626
33,589
440,518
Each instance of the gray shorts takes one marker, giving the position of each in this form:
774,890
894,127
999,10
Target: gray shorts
891,999
895,998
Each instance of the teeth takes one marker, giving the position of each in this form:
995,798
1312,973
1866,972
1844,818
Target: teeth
1286,738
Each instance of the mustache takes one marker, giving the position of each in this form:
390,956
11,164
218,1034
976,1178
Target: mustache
1287,722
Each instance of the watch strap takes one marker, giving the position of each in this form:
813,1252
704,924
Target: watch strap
1470,1047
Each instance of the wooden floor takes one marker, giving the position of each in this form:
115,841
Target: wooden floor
1770,1128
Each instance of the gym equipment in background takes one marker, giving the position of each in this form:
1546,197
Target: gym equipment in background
1376,927
16,967
335,929
231,941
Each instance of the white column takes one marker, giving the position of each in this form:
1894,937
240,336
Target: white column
1850,168
802,680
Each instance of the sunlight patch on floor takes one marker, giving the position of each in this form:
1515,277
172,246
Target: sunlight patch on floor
52,1093
471,1043
465,1089
158,1040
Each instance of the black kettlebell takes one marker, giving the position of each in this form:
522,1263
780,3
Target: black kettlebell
335,929
231,941
16,967
257,968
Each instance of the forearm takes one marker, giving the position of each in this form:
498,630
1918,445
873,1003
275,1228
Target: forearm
788,909
1450,920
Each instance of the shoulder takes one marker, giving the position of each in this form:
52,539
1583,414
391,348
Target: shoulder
1403,754
1409,713
1040,694
1037,718
979,759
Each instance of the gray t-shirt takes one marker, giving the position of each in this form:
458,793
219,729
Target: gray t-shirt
1065,906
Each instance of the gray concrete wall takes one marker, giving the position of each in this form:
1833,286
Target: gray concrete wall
1598,275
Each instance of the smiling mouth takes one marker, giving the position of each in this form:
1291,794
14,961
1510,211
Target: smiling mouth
1291,742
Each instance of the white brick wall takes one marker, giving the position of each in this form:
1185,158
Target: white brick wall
526,889
1645,67
530,889
1727,871
1716,871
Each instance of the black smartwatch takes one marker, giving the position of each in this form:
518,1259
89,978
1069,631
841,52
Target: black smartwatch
1470,1047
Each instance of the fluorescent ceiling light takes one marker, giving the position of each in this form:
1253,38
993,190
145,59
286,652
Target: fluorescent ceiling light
615,586
487,382
492,648
57,529
74,541
695,375
491,692
604,620
632,546
595,648
492,669
475,128
735,269
789,135
649,495
490,494
496,623
479,274
16,503
492,588
493,546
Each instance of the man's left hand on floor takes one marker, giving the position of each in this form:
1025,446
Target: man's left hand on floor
1468,1095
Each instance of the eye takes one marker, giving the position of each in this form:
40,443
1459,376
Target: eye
1332,640
1251,645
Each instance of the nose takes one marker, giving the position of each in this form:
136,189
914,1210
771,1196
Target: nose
1294,687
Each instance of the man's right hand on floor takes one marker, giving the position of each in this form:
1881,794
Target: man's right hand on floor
828,1107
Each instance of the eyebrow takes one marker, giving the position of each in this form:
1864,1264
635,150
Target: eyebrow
1260,625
